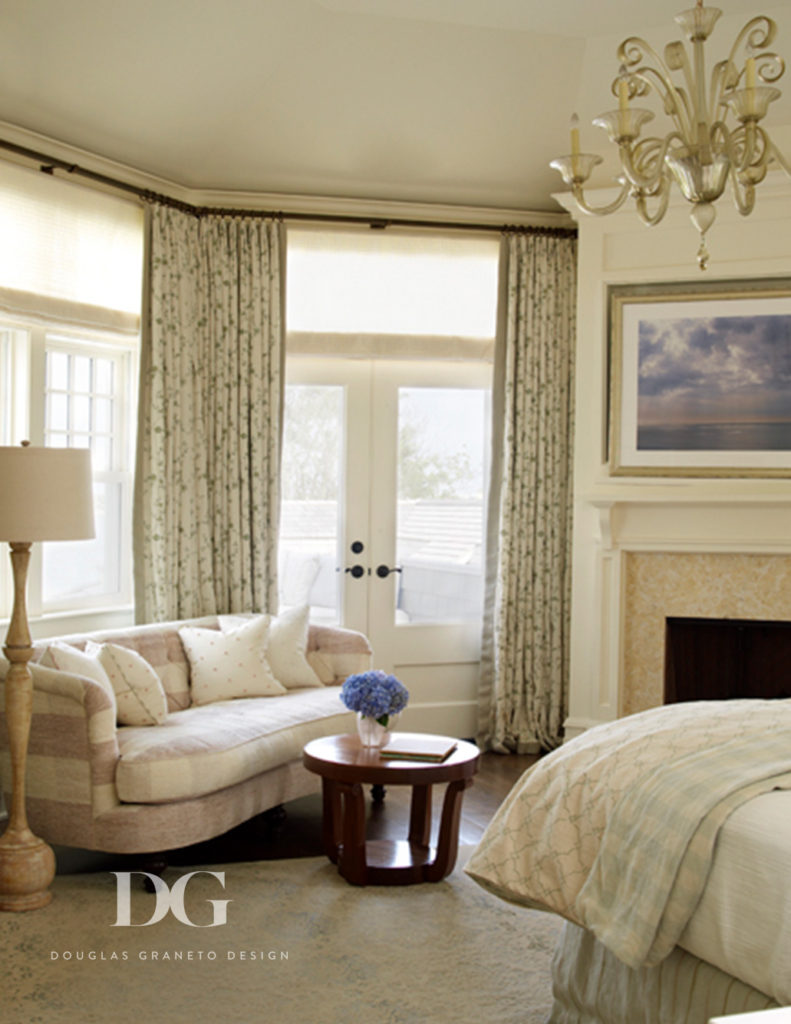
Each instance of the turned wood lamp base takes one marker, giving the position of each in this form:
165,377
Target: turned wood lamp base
27,863
27,867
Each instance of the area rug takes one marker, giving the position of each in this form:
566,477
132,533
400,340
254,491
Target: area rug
298,946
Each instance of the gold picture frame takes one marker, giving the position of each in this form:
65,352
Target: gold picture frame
700,379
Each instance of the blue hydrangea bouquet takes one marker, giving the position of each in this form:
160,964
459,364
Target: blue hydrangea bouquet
375,695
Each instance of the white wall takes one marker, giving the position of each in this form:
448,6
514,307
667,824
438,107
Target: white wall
618,515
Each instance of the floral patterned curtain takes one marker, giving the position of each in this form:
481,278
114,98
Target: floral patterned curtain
525,654
206,489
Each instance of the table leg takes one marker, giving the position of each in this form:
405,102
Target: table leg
351,862
330,819
420,816
448,839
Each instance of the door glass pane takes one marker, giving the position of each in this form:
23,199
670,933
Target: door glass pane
311,500
442,475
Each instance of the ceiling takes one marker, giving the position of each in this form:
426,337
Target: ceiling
449,101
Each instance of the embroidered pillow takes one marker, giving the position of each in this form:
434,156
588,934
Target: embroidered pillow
229,664
286,646
139,693
66,658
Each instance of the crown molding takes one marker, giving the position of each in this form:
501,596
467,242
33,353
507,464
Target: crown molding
275,201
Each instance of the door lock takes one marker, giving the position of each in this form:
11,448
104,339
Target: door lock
383,571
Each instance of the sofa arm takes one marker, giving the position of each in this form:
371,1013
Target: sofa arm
73,750
335,653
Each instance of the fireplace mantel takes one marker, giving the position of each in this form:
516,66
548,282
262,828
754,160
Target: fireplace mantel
718,549
683,521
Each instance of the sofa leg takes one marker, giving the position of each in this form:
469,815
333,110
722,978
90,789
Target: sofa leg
151,864
274,819
378,793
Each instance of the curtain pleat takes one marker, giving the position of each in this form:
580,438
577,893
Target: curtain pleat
206,489
525,652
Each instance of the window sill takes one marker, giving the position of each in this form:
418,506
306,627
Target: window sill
84,620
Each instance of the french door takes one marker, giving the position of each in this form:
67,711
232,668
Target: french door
385,471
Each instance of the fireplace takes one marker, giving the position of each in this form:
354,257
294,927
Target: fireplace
719,659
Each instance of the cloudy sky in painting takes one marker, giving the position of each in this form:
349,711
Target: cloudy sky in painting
722,369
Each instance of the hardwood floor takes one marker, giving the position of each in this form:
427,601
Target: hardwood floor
298,833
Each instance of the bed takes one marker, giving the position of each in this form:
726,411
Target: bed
664,840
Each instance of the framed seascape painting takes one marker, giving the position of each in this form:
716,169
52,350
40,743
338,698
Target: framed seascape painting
700,379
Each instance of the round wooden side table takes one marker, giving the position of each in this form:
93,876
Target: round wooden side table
346,767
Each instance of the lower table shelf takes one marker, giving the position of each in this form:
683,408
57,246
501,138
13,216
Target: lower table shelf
393,862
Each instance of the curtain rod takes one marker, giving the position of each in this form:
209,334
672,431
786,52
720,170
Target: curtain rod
48,165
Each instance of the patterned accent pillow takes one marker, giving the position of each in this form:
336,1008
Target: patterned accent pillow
232,664
66,658
286,646
139,693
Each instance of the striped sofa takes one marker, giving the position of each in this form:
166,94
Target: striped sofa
97,785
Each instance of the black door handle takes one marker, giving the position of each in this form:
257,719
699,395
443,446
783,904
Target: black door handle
383,571
356,570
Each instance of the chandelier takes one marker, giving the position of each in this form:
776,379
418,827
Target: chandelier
715,136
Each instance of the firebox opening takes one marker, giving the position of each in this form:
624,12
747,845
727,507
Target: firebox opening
722,659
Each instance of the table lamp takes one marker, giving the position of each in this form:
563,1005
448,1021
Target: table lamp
45,494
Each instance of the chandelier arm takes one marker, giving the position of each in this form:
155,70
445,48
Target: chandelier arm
651,150
632,51
723,77
682,113
757,33
772,60
642,207
730,144
743,193
599,211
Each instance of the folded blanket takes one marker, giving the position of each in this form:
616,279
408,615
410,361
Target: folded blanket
658,845
543,847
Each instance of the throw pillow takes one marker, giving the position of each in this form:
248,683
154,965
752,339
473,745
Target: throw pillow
139,693
232,664
66,658
286,649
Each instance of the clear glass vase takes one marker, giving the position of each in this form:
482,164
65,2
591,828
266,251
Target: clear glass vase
373,733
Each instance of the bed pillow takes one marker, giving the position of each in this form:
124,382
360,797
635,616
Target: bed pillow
139,694
229,664
66,658
286,648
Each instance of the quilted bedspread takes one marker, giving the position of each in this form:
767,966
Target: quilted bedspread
615,830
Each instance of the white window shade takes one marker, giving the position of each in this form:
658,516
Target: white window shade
364,282
68,251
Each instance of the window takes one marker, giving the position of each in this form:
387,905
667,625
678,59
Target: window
69,323
88,391
75,390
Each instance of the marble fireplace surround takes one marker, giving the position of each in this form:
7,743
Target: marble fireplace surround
708,586
651,559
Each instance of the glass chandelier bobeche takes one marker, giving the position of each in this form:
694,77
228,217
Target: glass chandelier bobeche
701,152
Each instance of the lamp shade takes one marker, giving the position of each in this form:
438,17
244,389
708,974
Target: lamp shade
45,494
